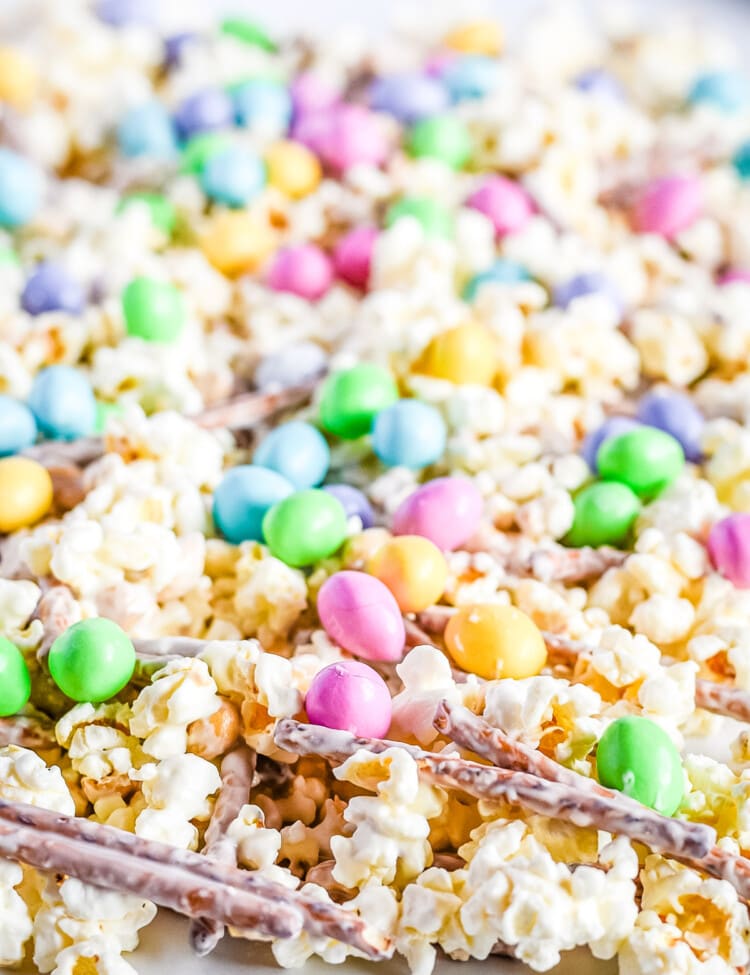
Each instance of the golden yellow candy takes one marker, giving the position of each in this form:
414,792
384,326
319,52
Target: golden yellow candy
18,78
476,37
237,241
464,354
25,493
413,568
292,168
494,641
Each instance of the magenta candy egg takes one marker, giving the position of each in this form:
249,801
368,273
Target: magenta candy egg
446,510
303,270
313,129
360,614
350,696
355,135
669,205
729,549
311,93
505,202
352,257
733,275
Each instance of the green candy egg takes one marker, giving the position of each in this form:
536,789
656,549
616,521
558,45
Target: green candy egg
646,459
604,514
161,210
637,757
248,32
200,148
305,527
15,682
442,137
92,660
436,221
352,398
154,310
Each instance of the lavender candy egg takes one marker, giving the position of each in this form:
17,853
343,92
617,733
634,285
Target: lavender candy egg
589,283
204,111
360,614
409,97
677,414
612,427
729,549
446,510
350,696
353,502
51,288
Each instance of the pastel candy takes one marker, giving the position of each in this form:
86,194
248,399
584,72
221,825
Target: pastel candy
360,614
446,510
350,696
729,548
505,202
669,205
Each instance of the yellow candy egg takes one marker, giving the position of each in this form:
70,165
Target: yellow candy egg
293,168
18,78
236,241
476,37
25,493
464,354
413,568
494,641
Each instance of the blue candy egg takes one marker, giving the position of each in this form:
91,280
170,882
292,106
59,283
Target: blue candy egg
600,83
298,451
612,427
294,365
741,161
501,272
63,403
354,502
233,177
727,91
676,414
242,499
204,111
263,104
473,76
147,130
20,189
589,283
51,288
409,97
409,434
123,13
17,426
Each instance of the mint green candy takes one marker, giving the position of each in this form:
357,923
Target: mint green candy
248,32
604,515
636,757
162,212
154,310
646,459
92,660
15,682
103,412
8,257
442,137
352,398
436,221
305,527
202,147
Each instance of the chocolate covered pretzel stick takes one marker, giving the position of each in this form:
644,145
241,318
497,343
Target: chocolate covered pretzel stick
551,563
237,770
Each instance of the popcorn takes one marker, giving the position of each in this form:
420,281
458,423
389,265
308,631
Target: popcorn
25,778
176,791
17,924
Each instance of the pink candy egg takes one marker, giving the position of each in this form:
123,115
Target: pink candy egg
360,614
311,93
669,205
352,257
446,510
505,202
733,275
303,270
729,549
350,696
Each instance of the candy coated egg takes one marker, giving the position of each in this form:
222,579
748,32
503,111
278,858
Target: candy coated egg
353,135
26,492
147,130
161,211
293,169
350,696
503,271
646,459
741,160
51,288
236,241
311,93
409,434
360,614
729,548
302,269
413,568
735,275
248,32
352,258
305,527
505,202
409,97
463,355
354,502
176,45
17,426
589,283
63,403
20,189
297,451
15,681
263,105
204,111
637,757
676,414
613,426
92,660
446,510
604,515
153,310
18,78
122,13
292,365
727,91
442,137
233,177
476,37
432,216
669,205
600,84
351,398
495,642
200,148
242,499
471,76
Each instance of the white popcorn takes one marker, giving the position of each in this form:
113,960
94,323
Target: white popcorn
18,599
669,347
16,928
257,847
176,791
25,778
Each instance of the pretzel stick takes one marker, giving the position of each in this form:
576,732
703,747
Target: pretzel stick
552,563
237,770
170,647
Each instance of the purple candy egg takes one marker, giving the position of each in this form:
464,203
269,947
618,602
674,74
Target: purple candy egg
446,510
122,13
350,696
409,97
360,614
589,283
353,502
676,414
175,46
51,288
612,427
729,549
204,111
598,82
